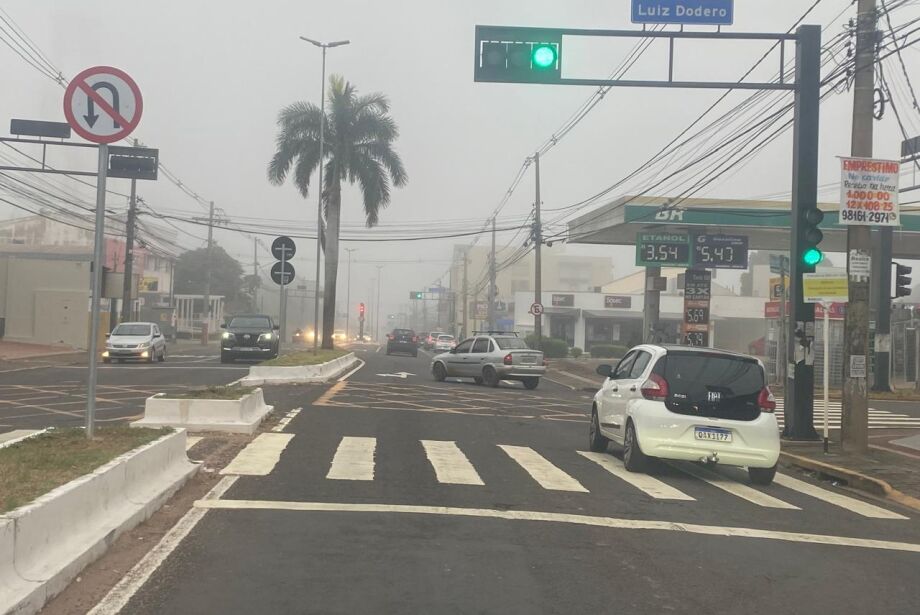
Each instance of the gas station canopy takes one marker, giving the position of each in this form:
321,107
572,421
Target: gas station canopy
765,223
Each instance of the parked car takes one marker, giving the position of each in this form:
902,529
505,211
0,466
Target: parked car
402,340
489,359
249,336
445,343
135,340
690,404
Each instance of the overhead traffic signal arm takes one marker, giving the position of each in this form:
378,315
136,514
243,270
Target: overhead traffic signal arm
518,55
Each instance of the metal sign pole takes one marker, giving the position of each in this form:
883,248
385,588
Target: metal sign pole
98,245
827,363
281,314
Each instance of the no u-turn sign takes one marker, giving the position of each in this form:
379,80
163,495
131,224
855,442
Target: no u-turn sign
103,104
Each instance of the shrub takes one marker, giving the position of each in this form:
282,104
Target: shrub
552,348
576,352
608,351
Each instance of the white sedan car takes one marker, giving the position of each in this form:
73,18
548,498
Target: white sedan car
691,404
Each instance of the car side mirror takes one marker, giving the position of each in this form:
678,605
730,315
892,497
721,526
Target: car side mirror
452,351
604,370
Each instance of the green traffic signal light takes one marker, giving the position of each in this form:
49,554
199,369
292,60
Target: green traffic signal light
812,256
543,56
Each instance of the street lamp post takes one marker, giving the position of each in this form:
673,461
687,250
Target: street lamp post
319,207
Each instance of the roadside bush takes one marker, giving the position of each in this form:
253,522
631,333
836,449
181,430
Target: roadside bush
552,348
576,352
608,351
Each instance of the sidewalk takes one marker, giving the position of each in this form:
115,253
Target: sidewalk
12,351
884,470
577,374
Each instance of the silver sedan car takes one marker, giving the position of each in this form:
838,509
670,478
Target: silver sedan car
135,340
489,359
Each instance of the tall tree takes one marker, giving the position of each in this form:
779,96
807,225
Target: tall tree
226,276
359,138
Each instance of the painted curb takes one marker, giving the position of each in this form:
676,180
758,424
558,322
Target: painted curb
22,438
45,544
262,374
875,486
228,415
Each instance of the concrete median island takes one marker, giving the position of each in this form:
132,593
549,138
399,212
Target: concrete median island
234,409
300,367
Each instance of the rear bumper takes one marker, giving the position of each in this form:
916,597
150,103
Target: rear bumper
668,435
520,371
401,347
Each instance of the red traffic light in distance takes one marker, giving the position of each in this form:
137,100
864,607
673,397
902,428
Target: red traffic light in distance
361,309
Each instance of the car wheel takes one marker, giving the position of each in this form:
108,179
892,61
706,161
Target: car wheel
490,377
531,383
597,442
762,476
151,356
633,457
163,355
440,374
477,380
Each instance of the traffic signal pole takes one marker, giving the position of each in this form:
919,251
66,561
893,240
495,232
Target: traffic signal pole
492,274
800,373
881,269
855,417
537,244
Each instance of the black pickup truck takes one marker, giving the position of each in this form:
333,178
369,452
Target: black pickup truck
249,336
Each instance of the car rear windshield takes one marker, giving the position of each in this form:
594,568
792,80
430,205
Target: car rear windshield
132,330
445,338
403,332
712,385
251,322
511,343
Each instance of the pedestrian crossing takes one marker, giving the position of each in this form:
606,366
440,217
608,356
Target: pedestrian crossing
878,419
355,459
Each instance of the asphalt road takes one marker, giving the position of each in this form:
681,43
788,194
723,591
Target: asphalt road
397,494
49,392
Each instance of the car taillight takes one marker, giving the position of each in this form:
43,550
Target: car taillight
655,387
390,336
766,401
508,359
415,339
545,362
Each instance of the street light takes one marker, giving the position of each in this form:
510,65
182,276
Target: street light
319,207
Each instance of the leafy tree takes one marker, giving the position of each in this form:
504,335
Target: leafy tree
226,276
359,138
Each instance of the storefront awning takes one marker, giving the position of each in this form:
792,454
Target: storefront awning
612,314
571,312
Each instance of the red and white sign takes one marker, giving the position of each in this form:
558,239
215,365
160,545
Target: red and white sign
103,104
869,192
838,310
536,309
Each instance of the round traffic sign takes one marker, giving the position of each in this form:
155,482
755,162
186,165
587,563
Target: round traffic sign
288,275
283,246
103,104
536,309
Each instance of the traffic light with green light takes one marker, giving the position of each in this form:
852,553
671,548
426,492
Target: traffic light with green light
511,55
416,295
902,280
810,252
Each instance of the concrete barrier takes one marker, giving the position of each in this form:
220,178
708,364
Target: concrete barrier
45,544
230,415
265,374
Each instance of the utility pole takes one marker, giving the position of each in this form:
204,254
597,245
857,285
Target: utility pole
492,281
255,271
377,316
129,251
651,307
537,244
206,322
348,296
854,423
466,293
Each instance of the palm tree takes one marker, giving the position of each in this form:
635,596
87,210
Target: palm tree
359,136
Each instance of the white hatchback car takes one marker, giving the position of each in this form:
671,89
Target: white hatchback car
691,404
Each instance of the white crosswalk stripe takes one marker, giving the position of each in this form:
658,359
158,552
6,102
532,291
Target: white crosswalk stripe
878,419
726,484
541,470
354,459
450,464
852,504
260,456
649,484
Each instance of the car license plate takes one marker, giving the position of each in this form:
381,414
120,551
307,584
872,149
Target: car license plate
528,359
714,434
247,349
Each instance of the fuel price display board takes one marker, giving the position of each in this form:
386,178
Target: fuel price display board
686,250
662,250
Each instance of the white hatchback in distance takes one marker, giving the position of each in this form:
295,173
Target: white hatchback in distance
690,404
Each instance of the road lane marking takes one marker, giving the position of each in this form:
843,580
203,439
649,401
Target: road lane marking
260,456
650,485
541,470
283,423
527,515
837,499
137,577
730,486
354,459
346,376
450,464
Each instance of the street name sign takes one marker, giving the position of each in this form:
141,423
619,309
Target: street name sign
98,117
869,192
825,288
779,263
687,12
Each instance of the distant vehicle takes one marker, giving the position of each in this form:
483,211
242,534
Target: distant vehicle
429,340
249,336
402,340
363,339
445,342
691,404
339,336
489,359
302,336
135,340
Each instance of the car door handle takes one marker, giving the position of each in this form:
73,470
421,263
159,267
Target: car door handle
614,389
633,388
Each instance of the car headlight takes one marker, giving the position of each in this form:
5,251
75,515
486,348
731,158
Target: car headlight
267,337
226,335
